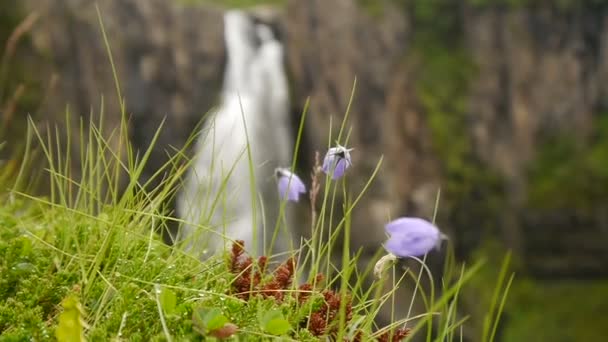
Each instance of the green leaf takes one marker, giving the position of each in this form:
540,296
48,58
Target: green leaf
197,320
71,324
208,319
274,323
168,300
26,246
277,326
215,319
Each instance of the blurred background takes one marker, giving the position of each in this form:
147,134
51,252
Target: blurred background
503,104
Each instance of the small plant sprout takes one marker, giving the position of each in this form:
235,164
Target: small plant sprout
336,161
289,184
383,263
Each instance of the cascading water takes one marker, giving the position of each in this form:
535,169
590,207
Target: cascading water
216,200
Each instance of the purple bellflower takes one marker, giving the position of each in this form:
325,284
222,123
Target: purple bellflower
412,237
290,185
336,161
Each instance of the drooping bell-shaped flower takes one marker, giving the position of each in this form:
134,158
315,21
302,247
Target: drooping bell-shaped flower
289,184
412,236
336,161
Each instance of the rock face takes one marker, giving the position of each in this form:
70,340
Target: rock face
541,73
499,106
169,59
535,73
326,54
169,62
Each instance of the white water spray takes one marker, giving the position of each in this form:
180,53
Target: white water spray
217,197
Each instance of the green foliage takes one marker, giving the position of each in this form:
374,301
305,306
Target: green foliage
168,300
442,88
73,253
206,320
443,76
570,174
562,5
377,8
472,192
35,277
29,293
443,73
71,321
273,322
557,311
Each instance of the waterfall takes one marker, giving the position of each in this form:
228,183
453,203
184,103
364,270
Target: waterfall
216,199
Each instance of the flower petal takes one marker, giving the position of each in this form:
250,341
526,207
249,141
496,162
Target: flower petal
336,161
295,188
329,160
409,245
409,224
290,186
411,236
340,169
282,185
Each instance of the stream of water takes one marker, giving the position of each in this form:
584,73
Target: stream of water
219,191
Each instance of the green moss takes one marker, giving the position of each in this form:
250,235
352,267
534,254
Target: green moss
538,310
472,191
557,311
444,71
570,174
35,278
373,8
443,74
377,7
478,297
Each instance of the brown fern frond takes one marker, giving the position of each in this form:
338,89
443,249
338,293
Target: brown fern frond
238,248
283,277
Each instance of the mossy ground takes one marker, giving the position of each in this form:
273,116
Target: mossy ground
124,279
101,268
557,311
48,253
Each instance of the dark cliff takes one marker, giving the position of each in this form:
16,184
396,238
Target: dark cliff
469,107
168,59
503,106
